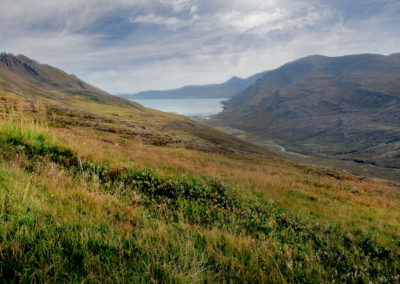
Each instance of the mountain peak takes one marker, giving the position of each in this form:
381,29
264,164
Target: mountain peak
235,78
224,90
7,58
18,64
19,71
5,54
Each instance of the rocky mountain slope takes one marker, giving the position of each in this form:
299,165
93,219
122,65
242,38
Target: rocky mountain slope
343,107
27,77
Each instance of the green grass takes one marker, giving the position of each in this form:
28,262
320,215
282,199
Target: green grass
65,219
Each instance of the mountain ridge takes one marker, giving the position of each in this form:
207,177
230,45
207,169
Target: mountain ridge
326,106
26,76
224,90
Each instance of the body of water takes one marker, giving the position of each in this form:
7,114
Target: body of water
193,108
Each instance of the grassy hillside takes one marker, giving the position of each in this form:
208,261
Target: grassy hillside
70,102
342,107
85,196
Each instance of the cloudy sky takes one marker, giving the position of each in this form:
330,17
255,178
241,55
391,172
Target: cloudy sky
125,46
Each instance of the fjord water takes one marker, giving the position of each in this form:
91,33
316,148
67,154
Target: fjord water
193,108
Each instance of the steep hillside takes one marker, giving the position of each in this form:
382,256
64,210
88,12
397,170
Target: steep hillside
345,107
224,90
68,99
27,77
110,192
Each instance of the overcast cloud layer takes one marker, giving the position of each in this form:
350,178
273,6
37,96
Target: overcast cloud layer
126,46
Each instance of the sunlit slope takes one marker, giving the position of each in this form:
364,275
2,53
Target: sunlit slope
68,99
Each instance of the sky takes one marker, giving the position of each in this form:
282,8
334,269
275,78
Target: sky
126,46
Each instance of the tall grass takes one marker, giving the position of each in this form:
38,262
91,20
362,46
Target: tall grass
65,218
82,204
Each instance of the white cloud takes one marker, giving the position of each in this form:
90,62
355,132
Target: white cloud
178,5
244,22
170,22
123,46
194,9
70,15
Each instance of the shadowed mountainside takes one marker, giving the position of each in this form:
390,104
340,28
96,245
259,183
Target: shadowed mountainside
224,90
343,107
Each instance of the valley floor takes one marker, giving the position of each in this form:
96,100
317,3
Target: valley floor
356,167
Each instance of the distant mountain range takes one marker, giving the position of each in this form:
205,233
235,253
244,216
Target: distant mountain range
224,90
346,107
